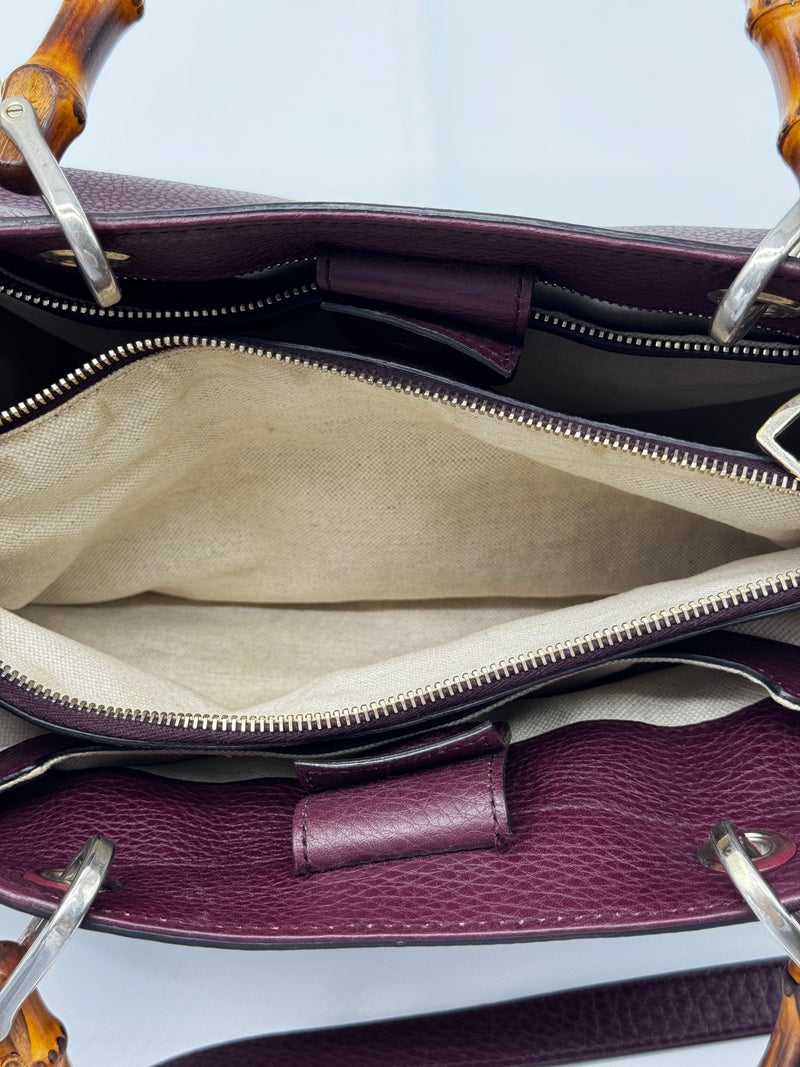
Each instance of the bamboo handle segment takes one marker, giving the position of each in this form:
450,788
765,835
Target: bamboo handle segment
59,76
36,1037
783,1049
774,25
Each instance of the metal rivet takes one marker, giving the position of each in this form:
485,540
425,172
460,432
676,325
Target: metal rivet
767,850
54,878
65,257
774,305
14,110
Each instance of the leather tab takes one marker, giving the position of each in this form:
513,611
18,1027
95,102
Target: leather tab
452,808
403,757
448,295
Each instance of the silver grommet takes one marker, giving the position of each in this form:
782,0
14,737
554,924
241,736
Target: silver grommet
765,848
755,892
45,939
740,308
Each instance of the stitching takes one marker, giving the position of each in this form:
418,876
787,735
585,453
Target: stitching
110,914
326,268
493,802
517,305
304,836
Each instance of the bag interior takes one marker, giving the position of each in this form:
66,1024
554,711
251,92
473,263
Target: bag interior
718,402
212,531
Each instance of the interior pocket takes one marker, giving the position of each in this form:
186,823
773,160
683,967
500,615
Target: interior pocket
216,530
680,386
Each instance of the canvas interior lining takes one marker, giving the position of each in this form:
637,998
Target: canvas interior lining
671,697
268,651
229,480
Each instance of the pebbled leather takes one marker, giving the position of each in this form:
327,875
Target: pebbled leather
687,1008
612,779
127,194
181,231
213,862
452,808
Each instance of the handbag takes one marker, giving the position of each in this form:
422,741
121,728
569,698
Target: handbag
375,575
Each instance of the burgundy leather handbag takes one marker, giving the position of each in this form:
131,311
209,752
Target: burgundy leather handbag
389,569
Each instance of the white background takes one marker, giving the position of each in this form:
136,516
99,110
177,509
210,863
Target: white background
606,113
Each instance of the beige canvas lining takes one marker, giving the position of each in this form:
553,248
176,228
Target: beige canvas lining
244,489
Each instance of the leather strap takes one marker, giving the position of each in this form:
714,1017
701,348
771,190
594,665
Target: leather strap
685,1008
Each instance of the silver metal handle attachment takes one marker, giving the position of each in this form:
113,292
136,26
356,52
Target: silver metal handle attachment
745,301
18,120
755,892
45,939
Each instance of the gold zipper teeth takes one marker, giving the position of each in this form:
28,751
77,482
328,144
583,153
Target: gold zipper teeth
663,344
525,663
146,315
674,455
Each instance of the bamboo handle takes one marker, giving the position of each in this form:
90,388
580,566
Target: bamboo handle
774,25
59,76
37,1037
783,1049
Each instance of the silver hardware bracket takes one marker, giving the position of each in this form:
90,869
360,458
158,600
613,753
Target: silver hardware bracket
767,435
755,892
740,308
18,120
45,939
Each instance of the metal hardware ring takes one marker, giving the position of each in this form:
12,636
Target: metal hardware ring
739,308
45,939
754,890
18,120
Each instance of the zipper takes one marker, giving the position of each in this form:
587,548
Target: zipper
65,305
692,345
544,661
501,677
739,467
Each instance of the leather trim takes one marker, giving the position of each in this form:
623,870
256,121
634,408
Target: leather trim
686,1008
415,754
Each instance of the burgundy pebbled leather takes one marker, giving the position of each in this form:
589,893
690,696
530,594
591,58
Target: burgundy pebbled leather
213,863
454,808
688,1008
22,758
176,231
127,194
401,757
